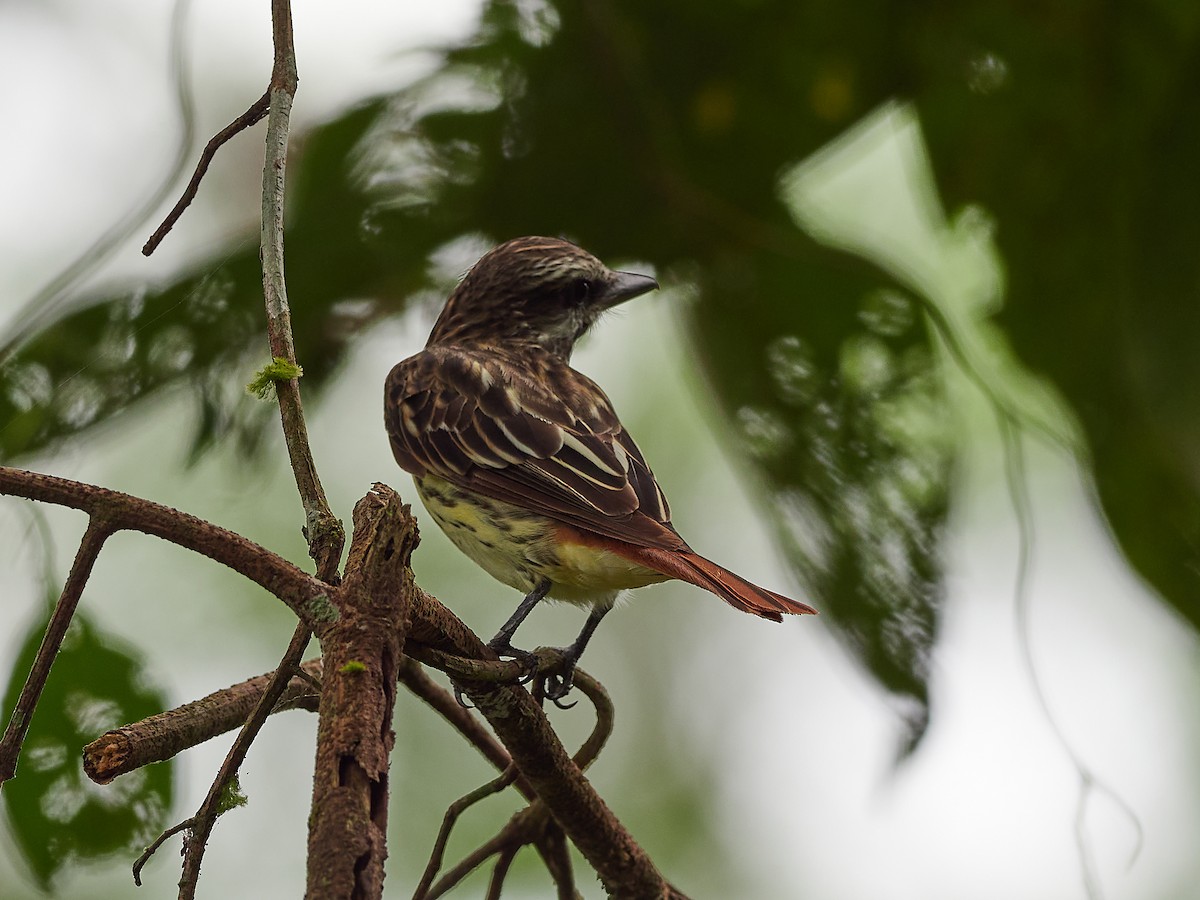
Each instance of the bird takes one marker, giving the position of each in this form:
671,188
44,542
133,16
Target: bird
522,460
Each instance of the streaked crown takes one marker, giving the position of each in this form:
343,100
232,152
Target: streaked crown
533,290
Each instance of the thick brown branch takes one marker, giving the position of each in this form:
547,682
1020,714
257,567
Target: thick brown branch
303,594
169,733
250,117
97,533
362,652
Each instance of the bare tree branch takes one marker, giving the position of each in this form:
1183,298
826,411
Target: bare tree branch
141,861
515,716
534,825
453,811
301,592
347,836
323,530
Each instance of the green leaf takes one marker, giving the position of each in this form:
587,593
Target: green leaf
56,815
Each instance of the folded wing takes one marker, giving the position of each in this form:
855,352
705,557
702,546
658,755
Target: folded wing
528,431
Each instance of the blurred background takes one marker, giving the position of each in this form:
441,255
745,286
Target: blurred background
925,356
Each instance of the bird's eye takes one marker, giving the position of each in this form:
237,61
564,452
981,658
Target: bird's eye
581,290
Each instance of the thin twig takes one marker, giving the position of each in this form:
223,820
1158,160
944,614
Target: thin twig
141,861
552,846
523,828
250,117
303,673
605,714
530,826
456,809
323,530
98,531
206,816
499,873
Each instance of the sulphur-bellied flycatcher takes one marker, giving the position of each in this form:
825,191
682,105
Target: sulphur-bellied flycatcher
523,462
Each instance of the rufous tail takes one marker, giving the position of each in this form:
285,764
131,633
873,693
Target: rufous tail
733,589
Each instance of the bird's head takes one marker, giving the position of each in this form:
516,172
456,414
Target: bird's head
534,290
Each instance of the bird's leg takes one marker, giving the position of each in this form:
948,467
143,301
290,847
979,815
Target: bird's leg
558,686
502,642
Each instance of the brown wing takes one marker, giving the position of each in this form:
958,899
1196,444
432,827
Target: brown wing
527,430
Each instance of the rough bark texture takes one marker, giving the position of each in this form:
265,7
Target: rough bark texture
362,652
362,625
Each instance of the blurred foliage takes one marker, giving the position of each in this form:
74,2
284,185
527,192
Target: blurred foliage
56,816
658,132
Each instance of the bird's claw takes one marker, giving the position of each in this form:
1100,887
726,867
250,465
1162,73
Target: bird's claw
558,684
462,700
556,699
554,686
528,661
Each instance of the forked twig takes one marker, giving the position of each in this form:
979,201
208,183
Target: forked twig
456,809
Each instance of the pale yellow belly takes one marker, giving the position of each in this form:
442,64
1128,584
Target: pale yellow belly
521,549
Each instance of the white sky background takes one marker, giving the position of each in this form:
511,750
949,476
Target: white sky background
813,808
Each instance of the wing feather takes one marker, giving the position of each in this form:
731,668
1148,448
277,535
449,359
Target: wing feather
526,430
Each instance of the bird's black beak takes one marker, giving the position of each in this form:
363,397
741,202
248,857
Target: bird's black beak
624,286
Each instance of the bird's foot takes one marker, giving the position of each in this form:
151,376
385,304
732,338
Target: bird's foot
501,646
